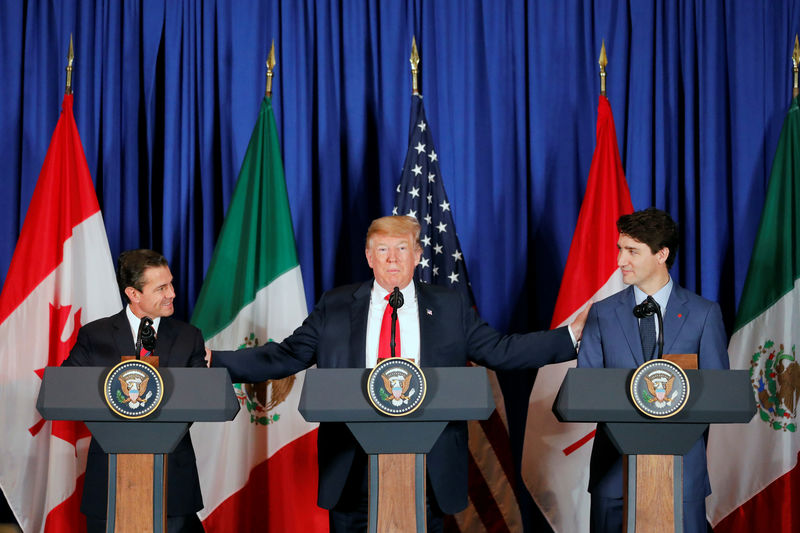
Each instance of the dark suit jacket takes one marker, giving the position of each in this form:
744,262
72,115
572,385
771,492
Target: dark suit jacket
611,339
102,343
334,336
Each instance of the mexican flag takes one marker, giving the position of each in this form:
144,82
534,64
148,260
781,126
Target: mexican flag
753,468
555,462
259,471
61,277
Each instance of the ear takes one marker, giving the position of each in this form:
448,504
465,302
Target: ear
368,253
132,294
417,254
662,255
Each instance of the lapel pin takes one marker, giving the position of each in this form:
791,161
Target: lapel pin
680,315
429,312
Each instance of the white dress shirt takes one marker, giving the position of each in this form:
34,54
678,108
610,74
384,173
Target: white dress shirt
134,321
407,321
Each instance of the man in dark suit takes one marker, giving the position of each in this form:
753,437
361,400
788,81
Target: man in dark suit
615,338
145,279
437,327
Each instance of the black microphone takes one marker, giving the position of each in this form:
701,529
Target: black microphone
396,301
146,337
648,308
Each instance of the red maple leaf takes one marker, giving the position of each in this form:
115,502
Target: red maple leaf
58,350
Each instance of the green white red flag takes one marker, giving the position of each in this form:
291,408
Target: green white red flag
755,479
259,471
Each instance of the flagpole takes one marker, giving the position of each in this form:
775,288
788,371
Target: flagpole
603,61
70,59
270,66
795,61
414,60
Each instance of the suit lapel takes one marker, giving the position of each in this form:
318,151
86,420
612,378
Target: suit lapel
359,312
675,316
630,325
123,338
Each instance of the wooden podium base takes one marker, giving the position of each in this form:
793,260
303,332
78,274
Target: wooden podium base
654,488
397,493
137,487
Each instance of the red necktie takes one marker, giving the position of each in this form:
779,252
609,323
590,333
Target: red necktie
384,349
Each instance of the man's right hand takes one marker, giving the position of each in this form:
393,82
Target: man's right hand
208,357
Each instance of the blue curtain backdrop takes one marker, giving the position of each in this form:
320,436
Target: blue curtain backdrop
167,92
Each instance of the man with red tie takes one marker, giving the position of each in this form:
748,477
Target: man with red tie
350,328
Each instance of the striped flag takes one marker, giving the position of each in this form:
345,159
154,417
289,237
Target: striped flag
61,276
755,478
259,471
492,503
555,462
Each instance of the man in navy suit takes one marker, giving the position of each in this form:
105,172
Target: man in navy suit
648,241
437,327
145,279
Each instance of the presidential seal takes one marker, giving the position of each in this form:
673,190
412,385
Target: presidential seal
659,388
133,389
396,386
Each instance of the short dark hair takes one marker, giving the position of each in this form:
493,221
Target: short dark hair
131,266
653,227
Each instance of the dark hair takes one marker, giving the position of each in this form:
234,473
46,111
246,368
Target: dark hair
653,227
131,266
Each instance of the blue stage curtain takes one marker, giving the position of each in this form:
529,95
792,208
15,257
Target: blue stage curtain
167,93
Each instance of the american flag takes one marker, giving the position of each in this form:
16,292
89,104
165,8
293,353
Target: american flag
421,194
493,504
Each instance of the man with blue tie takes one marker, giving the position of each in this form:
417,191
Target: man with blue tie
615,338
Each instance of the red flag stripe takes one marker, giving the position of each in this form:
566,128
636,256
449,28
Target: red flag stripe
483,500
497,435
580,442
46,228
772,509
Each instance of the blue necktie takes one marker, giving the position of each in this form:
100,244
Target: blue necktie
647,331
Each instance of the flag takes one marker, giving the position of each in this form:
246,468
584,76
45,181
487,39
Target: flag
755,480
258,471
555,462
61,276
492,503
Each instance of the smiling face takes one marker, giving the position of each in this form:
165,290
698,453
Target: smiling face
157,294
640,266
393,258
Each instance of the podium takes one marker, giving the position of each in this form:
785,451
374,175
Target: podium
652,446
138,491
396,446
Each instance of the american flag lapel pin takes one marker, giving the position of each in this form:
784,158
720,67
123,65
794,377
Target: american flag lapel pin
429,312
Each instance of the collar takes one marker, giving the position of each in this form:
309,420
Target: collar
378,293
661,296
134,321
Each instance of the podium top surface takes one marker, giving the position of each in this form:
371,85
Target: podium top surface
190,394
602,395
339,395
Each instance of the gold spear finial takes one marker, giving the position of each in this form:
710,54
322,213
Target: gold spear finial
795,61
414,59
603,61
270,66
70,60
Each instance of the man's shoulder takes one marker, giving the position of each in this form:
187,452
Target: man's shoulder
615,299
691,298
179,326
101,324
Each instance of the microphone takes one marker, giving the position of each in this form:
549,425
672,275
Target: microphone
396,301
146,336
648,308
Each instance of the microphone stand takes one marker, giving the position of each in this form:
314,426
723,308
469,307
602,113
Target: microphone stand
396,301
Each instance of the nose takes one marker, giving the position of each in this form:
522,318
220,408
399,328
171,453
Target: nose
621,260
170,291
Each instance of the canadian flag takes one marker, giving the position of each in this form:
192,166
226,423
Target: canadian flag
555,463
61,276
